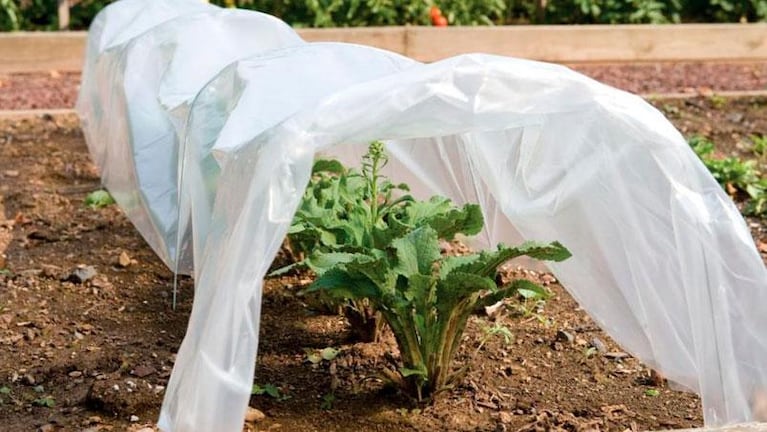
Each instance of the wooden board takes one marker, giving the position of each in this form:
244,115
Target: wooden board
41,51
388,38
596,43
31,51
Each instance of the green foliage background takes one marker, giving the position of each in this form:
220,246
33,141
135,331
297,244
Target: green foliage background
41,14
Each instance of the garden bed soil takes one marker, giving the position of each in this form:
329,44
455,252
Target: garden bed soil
96,355
57,89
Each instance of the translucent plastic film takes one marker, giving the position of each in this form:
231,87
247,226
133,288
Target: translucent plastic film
662,259
139,72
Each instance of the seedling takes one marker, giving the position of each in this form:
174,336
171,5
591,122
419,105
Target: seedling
4,391
589,352
316,357
496,330
717,101
46,401
327,402
269,390
99,199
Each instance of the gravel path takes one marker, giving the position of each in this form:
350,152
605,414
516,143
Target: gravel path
59,89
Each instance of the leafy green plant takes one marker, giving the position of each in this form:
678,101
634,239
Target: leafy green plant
532,300
652,393
327,401
731,172
345,211
99,199
46,401
734,175
427,299
4,391
495,330
269,390
317,356
759,146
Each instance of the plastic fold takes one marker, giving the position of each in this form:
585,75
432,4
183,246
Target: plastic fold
205,122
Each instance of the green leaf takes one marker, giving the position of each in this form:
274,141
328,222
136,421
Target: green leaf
328,353
47,402
407,372
268,389
417,252
552,252
314,357
489,261
327,401
328,166
4,390
458,288
272,391
98,199
531,291
321,262
448,264
652,392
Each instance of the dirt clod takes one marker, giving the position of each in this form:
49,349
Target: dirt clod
82,274
253,415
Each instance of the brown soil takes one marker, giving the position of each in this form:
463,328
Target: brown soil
59,89
100,351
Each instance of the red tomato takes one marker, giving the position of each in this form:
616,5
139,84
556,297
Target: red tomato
434,12
440,21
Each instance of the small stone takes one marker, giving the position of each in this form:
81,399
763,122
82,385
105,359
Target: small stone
548,279
735,117
93,420
11,173
253,415
47,428
82,274
134,418
617,355
563,336
75,374
493,310
143,371
146,429
505,417
124,260
599,345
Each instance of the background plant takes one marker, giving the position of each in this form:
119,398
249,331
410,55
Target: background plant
41,14
735,175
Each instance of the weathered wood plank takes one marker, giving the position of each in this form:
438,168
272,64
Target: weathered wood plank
388,38
598,43
30,51
41,51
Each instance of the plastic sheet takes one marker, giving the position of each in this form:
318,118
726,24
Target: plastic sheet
152,58
662,259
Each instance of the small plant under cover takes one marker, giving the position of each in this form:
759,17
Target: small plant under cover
346,212
397,267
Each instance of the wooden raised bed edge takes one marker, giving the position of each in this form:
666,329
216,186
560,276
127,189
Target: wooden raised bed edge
43,51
